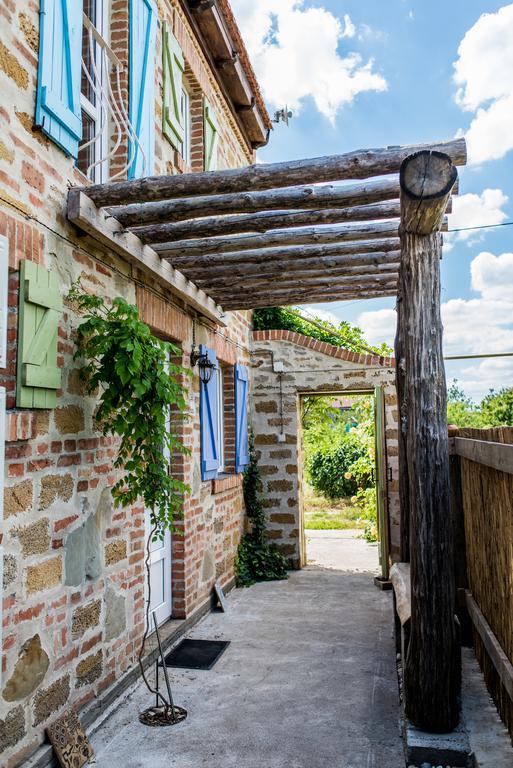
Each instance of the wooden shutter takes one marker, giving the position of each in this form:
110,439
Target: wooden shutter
58,111
40,307
210,137
4,283
241,417
208,423
141,101
173,66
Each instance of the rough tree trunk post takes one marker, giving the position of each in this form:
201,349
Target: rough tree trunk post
404,488
432,671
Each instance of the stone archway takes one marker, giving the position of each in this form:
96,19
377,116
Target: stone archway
286,365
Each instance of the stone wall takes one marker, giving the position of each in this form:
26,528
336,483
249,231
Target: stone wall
309,366
73,592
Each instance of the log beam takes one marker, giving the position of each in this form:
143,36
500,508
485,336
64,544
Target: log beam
341,233
262,280
306,297
275,269
432,669
361,164
234,224
290,198
221,292
269,255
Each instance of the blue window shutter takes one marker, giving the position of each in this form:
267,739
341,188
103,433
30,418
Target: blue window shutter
58,110
241,417
208,423
141,101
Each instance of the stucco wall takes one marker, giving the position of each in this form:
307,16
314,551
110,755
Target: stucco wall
73,593
309,366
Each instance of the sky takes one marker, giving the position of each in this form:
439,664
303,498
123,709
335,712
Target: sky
369,73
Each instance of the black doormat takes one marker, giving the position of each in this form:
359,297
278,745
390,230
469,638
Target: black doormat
196,654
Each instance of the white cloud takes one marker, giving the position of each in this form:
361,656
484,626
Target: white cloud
473,210
483,74
492,276
295,54
311,312
378,326
471,326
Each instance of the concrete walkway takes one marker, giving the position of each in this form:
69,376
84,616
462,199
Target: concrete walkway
308,682
343,550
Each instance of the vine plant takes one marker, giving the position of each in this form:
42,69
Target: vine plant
257,559
127,367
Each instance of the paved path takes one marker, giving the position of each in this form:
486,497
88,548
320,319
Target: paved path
343,550
307,682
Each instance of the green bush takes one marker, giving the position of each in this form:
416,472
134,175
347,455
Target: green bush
329,470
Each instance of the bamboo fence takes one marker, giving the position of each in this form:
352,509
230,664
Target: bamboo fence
488,512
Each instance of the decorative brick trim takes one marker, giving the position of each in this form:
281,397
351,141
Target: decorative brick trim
222,484
160,315
323,347
20,425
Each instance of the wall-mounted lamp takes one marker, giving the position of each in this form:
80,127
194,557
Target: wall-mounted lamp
205,365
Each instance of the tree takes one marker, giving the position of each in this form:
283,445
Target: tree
344,335
462,410
497,408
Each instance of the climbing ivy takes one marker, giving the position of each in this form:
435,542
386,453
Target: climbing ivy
127,365
257,559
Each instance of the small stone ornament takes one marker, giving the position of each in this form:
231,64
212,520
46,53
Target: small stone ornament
69,741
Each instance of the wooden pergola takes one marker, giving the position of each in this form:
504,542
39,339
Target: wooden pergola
354,226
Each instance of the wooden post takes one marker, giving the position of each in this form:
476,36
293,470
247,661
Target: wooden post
432,671
460,547
402,405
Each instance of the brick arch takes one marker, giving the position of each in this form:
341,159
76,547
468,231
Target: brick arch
309,366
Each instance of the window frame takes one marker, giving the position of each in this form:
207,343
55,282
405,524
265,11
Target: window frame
185,110
94,111
220,420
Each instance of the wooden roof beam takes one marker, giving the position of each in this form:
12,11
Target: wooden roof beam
291,198
306,297
360,164
307,283
341,233
262,280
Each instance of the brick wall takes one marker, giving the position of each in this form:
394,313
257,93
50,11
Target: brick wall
310,366
73,596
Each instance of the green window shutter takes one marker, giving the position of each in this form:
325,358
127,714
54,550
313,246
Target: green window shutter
173,66
40,307
210,137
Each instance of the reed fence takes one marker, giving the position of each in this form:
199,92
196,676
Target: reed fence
487,501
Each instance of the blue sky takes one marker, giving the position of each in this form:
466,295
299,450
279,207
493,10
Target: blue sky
369,74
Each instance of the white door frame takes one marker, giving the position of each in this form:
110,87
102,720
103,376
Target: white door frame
160,553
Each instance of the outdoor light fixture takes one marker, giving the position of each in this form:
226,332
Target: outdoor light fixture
205,365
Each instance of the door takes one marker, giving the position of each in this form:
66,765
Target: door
160,568
381,480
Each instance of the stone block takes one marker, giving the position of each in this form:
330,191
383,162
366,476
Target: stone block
437,749
55,487
267,406
115,614
42,422
83,553
89,669
12,728
76,386
85,617
69,419
18,498
115,551
284,518
29,671
43,576
10,570
34,538
49,700
279,485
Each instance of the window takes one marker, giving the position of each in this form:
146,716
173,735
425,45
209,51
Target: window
92,149
220,418
185,108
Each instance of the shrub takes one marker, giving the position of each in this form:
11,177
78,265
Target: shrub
329,471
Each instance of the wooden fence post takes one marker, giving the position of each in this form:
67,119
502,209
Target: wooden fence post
460,547
432,671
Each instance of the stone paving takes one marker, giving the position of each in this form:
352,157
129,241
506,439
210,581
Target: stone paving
308,682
